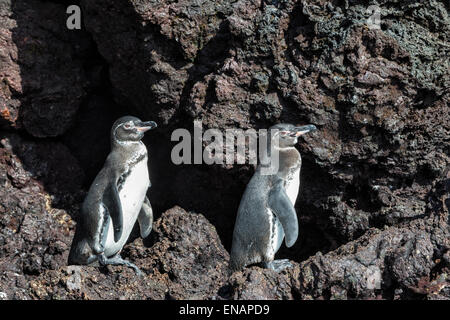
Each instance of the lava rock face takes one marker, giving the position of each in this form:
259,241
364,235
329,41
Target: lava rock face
41,67
377,93
185,261
395,263
373,208
34,236
187,256
150,47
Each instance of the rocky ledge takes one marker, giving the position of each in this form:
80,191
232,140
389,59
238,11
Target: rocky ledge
184,258
374,200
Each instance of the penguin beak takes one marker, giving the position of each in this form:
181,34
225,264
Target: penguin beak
145,126
304,129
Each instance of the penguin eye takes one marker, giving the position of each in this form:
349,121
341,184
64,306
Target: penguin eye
128,125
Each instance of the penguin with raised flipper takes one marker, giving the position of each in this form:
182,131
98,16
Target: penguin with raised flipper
116,199
266,214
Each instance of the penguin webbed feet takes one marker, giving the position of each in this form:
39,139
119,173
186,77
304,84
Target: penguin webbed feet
118,260
277,265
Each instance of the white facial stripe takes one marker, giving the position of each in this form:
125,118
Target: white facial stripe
122,142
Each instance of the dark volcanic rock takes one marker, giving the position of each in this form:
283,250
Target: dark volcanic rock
186,261
150,47
393,263
260,284
377,95
186,255
374,200
34,236
405,262
42,75
50,163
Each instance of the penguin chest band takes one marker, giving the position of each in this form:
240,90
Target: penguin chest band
276,235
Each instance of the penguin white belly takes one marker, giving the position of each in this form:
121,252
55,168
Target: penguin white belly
276,229
292,186
276,234
132,195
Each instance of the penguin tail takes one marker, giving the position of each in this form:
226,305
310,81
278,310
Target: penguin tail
73,257
235,265
74,251
79,252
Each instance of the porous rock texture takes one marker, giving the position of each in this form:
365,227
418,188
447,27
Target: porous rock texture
374,202
41,66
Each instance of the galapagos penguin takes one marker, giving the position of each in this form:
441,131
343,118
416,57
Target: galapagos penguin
266,213
116,199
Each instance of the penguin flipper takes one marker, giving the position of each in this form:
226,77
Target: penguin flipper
281,205
111,200
145,218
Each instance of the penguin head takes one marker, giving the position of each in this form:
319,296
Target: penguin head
288,133
130,129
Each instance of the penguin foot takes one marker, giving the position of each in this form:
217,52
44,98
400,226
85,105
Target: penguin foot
278,265
117,260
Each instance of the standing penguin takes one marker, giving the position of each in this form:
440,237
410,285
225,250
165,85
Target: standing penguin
116,199
266,214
